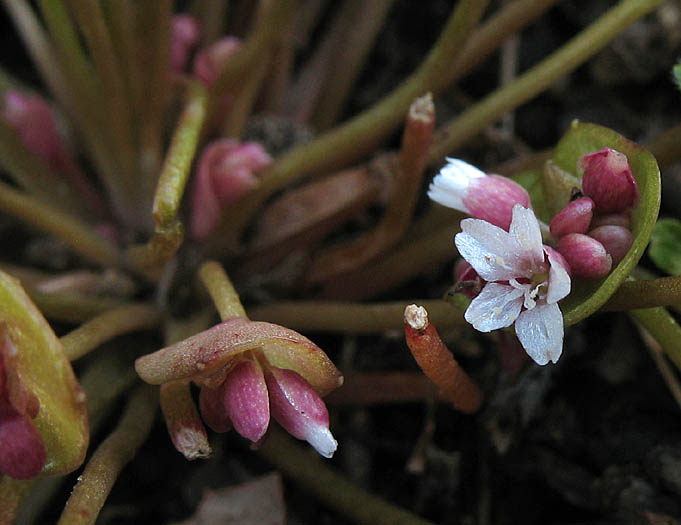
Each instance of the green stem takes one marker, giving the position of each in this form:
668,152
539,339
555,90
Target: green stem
73,232
664,329
528,85
12,494
178,161
109,325
116,451
69,307
349,317
329,486
665,291
115,103
363,133
221,290
366,23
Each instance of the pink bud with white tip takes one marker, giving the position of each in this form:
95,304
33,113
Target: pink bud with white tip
575,217
608,180
586,256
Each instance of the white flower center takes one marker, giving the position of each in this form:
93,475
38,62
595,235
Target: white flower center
531,291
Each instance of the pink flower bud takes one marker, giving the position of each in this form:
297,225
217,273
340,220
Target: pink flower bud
616,240
213,409
573,218
185,34
246,400
586,256
467,281
608,180
488,197
22,450
611,219
32,117
300,410
211,60
226,171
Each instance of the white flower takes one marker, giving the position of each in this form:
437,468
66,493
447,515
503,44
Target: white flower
522,287
465,188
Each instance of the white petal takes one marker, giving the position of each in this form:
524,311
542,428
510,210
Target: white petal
490,250
322,441
559,282
525,229
497,306
540,331
449,186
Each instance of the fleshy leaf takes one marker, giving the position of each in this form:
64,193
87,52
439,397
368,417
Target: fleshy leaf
531,180
582,138
665,246
46,373
557,184
206,353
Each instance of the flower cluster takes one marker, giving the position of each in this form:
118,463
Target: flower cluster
512,277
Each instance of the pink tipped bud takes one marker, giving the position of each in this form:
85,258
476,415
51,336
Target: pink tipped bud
615,239
22,450
300,410
33,119
247,401
608,180
586,256
185,34
211,60
611,219
488,197
573,218
226,172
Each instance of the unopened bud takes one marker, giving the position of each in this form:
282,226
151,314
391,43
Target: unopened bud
22,450
608,180
611,219
464,187
185,33
586,256
300,410
226,172
573,218
615,239
247,401
211,60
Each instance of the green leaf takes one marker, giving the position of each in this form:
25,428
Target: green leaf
47,373
676,73
588,296
665,246
532,182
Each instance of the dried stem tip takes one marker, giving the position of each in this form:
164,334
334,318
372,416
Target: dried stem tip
437,362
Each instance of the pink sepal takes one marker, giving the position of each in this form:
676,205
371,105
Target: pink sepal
608,180
246,399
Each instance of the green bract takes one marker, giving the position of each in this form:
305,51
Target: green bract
665,246
587,297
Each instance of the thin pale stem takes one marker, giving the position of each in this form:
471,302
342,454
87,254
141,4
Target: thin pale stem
212,15
368,19
74,233
153,32
116,451
528,85
107,326
221,290
666,371
243,102
12,494
664,329
90,17
183,420
349,317
278,80
178,161
69,307
363,133
330,486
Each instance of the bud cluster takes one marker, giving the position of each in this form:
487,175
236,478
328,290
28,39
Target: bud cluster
593,230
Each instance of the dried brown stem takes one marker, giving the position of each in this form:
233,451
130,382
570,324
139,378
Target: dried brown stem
437,362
